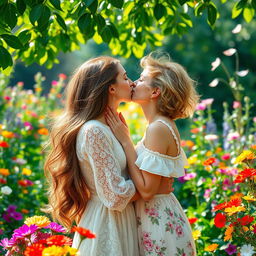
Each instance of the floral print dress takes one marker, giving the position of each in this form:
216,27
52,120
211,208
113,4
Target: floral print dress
163,228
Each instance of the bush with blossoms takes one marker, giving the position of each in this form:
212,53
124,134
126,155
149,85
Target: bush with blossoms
41,237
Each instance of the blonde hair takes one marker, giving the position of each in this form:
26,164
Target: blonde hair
86,99
178,97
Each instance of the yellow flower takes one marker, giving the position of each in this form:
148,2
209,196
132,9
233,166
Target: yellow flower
40,221
196,234
208,153
245,155
231,210
218,150
43,131
192,160
26,171
53,251
38,89
228,233
190,143
72,251
8,134
211,247
249,198
4,172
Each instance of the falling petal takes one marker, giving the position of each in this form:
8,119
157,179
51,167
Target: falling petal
242,73
214,82
237,29
233,84
230,52
215,64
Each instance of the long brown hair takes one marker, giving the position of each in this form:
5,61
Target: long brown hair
86,99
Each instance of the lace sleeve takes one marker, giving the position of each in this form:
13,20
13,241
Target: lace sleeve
113,190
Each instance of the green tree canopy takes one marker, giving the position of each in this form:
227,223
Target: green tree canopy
37,30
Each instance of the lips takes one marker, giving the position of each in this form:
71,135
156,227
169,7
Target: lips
132,92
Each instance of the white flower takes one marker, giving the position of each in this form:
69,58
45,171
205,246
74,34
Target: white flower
230,52
242,73
233,84
215,64
214,82
6,190
247,250
237,29
211,137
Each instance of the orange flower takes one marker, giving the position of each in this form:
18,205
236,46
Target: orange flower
25,211
195,130
83,232
58,240
209,161
253,147
228,233
43,131
220,206
211,247
4,172
8,134
34,249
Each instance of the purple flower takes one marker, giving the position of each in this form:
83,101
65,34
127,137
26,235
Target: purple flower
56,227
1,231
17,216
231,249
11,208
7,217
24,230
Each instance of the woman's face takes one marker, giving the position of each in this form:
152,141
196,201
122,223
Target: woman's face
142,91
123,85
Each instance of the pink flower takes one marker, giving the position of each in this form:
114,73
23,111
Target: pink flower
233,136
254,119
207,193
211,137
153,212
201,106
190,176
237,29
226,156
7,98
24,106
54,83
236,104
62,76
179,231
214,82
28,125
230,52
56,227
208,101
215,64
20,84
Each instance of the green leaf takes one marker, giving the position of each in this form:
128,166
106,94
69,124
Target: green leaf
199,9
212,14
3,2
21,6
241,4
61,21
44,18
10,15
117,3
159,11
248,13
114,31
56,4
93,7
100,21
182,2
254,4
235,11
24,36
106,34
12,41
35,13
84,22
88,2
5,58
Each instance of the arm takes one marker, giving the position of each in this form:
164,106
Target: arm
113,190
147,184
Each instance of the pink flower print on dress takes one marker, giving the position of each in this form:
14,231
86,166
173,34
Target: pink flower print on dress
148,245
179,231
153,212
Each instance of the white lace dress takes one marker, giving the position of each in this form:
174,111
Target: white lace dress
163,228
108,213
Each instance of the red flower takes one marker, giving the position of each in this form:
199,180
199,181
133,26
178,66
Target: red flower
209,161
220,206
25,183
62,76
246,220
83,232
58,240
226,156
195,130
248,173
192,220
4,144
254,228
239,179
220,220
34,250
234,202
3,181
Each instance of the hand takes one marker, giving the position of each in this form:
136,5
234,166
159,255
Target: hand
165,186
118,125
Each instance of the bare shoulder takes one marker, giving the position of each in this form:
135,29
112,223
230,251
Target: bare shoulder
157,137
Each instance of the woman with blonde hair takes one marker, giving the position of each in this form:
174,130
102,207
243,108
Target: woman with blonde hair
165,93
86,166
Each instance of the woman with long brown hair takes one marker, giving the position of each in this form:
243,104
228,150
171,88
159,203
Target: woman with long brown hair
86,167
